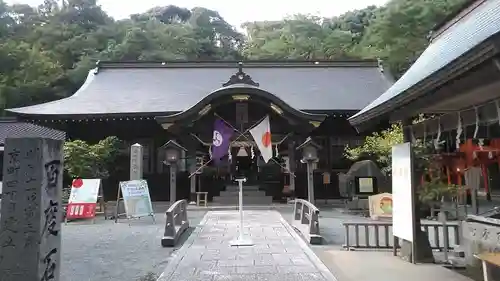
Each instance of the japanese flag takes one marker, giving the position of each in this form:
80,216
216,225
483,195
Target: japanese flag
262,136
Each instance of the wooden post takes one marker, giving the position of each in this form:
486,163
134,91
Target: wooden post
291,160
31,210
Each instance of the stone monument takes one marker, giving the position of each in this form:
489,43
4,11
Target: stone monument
136,162
31,214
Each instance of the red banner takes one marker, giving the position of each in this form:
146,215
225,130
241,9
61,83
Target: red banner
81,210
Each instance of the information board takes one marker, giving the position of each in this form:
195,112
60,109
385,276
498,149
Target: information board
365,185
136,198
402,192
83,198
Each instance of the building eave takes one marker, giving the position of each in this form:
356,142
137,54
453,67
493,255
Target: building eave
469,44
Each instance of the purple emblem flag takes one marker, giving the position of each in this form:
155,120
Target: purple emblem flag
221,140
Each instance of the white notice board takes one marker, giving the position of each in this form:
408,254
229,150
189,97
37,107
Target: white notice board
402,189
137,199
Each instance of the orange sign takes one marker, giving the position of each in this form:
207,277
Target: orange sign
326,178
380,205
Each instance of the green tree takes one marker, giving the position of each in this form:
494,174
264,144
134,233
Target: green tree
378,147
47,51
399,32
83,160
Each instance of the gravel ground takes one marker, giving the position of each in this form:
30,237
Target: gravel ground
107,251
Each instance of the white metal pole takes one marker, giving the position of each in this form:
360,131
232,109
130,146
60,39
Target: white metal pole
241,240
241,208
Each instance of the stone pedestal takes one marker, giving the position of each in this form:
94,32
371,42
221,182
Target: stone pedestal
479,235
31,210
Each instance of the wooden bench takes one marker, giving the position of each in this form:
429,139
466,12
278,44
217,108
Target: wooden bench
488,259
200,200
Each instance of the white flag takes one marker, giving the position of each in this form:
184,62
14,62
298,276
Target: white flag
262,136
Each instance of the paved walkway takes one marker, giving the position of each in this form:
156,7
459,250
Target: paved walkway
278,254
382,266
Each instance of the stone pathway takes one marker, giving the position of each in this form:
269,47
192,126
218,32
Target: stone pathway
279,252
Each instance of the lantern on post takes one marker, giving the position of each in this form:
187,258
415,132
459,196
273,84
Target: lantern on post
309,156
172,155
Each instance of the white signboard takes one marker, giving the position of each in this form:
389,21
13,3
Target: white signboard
403,205
136,198
365,185
83,199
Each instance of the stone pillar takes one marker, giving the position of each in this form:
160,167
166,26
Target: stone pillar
31,210
310,182
173,183
136,159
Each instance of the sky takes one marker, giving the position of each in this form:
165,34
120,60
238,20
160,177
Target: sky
235,12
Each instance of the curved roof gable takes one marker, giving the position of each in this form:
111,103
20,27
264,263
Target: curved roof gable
149,88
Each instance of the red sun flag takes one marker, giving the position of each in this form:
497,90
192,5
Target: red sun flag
266,139
77,183
262,136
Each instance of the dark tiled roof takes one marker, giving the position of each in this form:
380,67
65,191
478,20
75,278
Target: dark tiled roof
121,88
480,25
14,129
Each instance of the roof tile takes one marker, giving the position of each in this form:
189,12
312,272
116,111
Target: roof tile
140,89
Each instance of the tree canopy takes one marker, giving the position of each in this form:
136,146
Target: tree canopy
46,51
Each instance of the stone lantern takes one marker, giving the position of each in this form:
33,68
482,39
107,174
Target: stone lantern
173,152
309,151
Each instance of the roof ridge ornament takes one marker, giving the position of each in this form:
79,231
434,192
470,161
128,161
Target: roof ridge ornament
240,77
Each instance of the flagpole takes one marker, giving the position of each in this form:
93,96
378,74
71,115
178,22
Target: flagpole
241,240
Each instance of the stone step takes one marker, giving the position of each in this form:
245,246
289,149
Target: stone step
245,187
250,193
260,200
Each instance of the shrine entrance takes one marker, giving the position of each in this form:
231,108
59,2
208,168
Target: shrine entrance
241,110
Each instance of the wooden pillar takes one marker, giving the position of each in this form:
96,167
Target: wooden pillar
291,157
31,210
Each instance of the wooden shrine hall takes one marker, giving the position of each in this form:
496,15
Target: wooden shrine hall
151,103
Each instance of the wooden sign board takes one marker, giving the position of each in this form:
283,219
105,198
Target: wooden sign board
326,178
85,195
199,165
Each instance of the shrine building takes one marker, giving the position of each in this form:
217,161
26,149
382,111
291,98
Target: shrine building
151,103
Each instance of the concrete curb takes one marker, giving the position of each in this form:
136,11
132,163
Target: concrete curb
182,251
308,251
